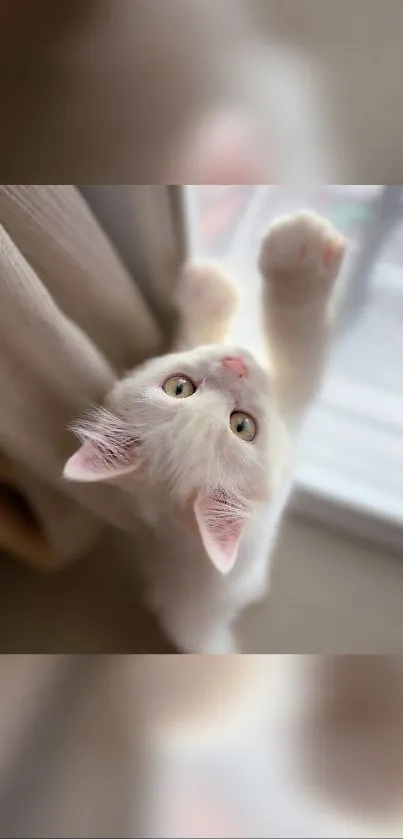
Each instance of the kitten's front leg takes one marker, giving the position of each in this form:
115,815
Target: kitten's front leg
220,641
213,640
197,637
300,259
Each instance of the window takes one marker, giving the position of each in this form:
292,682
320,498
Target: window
351,466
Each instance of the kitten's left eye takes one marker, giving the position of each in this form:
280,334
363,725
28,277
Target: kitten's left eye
243,426
179,387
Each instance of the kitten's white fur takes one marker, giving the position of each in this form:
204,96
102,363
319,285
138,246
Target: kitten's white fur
197,485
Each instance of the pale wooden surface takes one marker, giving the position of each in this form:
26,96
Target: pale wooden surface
329,594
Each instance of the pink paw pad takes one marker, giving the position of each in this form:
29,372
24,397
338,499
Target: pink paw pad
331,252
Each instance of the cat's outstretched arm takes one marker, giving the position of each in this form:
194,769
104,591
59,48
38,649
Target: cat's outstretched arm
300,259
206,301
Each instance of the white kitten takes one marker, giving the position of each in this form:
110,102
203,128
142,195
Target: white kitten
204,435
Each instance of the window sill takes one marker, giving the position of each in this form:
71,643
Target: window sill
350,470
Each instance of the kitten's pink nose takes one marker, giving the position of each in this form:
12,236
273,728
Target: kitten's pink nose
236,364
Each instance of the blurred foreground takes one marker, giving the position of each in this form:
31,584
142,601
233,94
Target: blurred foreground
200,747
240,91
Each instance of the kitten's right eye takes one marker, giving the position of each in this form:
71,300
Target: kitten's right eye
179,387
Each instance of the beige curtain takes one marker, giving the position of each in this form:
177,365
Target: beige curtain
71,320
161,218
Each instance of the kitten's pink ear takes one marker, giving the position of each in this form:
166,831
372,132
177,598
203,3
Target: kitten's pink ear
107,451
221,519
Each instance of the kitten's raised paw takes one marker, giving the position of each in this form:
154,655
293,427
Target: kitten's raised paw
207,299
301,256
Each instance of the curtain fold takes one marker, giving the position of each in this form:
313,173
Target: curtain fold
71,320
160,220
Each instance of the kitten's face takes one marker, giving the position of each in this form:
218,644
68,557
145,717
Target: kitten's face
199,423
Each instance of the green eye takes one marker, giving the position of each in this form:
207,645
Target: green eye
243,426
179,387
